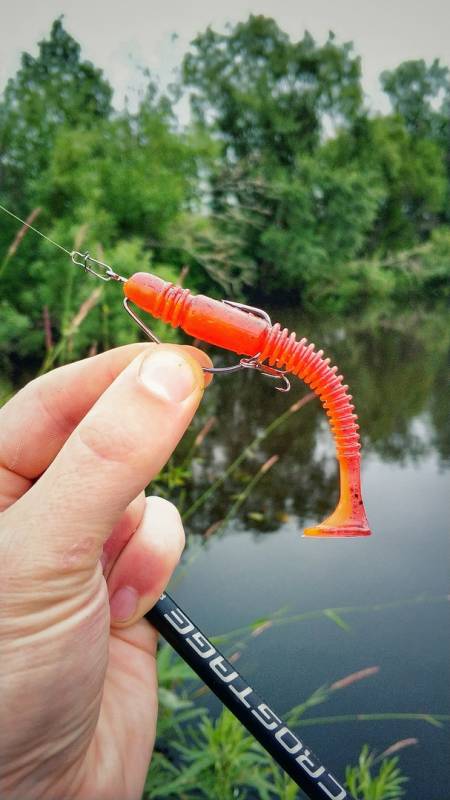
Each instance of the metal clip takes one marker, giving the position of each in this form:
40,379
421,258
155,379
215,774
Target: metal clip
107,273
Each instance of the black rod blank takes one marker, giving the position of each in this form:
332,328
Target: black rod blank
235,693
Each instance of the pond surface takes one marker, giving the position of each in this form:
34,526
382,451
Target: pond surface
395,582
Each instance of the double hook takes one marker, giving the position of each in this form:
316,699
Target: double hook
244,363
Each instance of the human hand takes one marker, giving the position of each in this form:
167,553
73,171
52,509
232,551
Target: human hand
77,447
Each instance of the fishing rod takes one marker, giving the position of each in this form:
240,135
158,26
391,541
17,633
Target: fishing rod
274,352
291,753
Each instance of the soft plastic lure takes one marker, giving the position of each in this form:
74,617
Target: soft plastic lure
265,347
249,332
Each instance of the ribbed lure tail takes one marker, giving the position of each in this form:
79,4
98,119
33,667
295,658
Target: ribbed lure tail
246,334
300,358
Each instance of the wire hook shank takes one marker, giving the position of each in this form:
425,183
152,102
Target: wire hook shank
244,363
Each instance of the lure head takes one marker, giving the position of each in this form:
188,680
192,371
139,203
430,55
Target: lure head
147,291
218,323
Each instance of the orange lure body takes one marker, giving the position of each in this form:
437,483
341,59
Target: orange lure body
247,334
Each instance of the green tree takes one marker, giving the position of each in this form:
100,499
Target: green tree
267,96
112,190
320,220
420,93
410,174
53,90
283,183
123,185
270,102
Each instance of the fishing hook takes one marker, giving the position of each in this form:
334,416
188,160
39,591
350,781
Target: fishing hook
243,363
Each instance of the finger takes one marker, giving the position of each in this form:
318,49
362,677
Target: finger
145,566
122,533
37,421
119,446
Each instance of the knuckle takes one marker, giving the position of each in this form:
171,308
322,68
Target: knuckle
106,444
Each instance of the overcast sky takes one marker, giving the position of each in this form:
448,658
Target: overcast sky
121,36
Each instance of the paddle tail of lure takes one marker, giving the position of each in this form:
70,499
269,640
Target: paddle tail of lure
247,334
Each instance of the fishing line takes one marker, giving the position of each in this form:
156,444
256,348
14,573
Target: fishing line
11,214
83,260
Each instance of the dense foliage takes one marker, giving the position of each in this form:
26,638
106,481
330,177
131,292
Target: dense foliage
283,184
327,182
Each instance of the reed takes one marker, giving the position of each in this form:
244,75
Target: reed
242,497
248,450
197,756
73,326
21,233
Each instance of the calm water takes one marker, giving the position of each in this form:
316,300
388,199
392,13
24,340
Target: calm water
396,367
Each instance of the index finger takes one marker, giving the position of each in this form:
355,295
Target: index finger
37,421
119,446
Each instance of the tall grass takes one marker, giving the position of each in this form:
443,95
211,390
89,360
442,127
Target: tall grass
197,756
21,233
56,351
245,453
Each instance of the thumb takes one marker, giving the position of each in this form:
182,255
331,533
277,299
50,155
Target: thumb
116,450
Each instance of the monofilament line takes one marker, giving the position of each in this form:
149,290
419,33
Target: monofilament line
35,230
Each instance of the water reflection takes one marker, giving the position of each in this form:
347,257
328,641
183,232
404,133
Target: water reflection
395,367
